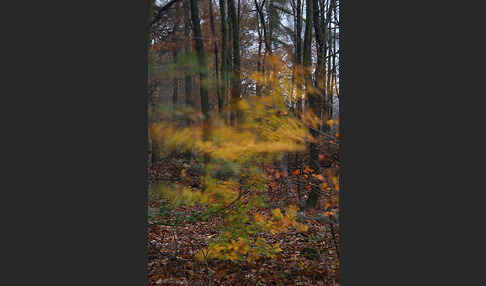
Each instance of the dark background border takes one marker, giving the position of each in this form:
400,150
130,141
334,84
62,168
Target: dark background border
75,158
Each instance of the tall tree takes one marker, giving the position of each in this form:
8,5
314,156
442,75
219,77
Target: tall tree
151,4
266,34
154,146
147,43
329,63
175,80
297,9
215,49
258,87
202,64
224,51
313,100
298,32
187,50
320,35
235,79
334,52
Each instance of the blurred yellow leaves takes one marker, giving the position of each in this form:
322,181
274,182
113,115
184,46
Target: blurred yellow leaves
335,181
266,130
234,250
319,176
277,214
240,249
283,222
302,227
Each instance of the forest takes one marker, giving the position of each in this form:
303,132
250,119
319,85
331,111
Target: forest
244,160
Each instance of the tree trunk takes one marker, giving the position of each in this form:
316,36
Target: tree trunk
329,71
149,22
202,64
271,23
298,54
216,67
235,79
266,40
261,16
224,52
298,33
187,50
313,102
258,87
320,41
334,67
153,146
320,82
175,81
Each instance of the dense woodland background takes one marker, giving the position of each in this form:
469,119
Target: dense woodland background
244,142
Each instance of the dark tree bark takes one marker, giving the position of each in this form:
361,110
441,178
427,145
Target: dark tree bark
258,87
298,53
329,67
201,60
320,72
187,49
175,81
313,102
271,22
262,38
334,67
298,33
307,56
307,60
320,41
149,93
154,146
161,11
266,37
215,49
235,79
203,71
149,22
224,52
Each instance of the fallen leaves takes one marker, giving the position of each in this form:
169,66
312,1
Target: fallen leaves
172,261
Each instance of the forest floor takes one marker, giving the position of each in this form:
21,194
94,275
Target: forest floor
307,258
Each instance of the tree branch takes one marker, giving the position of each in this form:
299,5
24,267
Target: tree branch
161,10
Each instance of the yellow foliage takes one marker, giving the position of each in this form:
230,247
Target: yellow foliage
199,256
266,130
277,214
259,217
234,250
282,222
335,181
